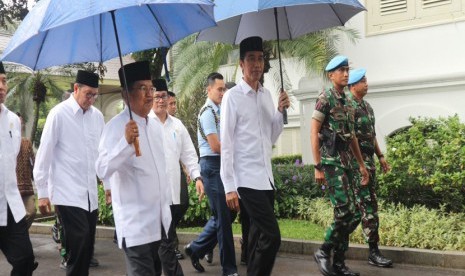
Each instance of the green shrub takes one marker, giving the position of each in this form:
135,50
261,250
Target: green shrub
401,226
198,212
293,180
286,159
105,212
428,162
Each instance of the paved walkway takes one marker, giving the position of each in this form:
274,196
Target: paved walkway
112,263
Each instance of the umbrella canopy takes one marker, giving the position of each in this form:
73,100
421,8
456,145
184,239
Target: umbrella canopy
240,19
276,19
58,32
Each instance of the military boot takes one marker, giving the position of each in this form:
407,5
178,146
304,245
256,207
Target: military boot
339,265
376,258
323,259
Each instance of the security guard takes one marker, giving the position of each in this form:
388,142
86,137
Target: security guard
333,137
365,196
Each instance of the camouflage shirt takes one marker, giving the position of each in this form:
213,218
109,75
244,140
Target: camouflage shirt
335,112
364,130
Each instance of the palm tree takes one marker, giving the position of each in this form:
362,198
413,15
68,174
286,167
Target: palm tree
313,51
29,91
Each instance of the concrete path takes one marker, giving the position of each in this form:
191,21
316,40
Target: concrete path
112,263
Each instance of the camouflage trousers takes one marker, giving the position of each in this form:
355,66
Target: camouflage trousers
342,199
367,207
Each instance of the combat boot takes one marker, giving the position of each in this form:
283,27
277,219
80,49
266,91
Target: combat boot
339,265
323,259
376,258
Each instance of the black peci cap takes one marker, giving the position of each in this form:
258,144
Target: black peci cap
87,78
253,43
135,71
160,84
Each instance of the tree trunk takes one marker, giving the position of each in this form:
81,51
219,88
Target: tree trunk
35,122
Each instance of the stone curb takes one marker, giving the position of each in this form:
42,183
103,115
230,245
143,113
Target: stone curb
423,257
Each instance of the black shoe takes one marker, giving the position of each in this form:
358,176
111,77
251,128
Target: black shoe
243,260
342,269
63,264
377,259
209,257
56,234
322,258
35,265
179,255
194,259
93,262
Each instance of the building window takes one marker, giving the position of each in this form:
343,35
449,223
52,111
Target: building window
395,15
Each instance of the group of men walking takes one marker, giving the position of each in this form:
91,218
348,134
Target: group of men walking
343,144
236,132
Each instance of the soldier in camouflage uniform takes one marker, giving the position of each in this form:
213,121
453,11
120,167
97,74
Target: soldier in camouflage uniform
332,137
365,196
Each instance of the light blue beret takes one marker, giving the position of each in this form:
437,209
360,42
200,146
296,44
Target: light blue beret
356,75
337,62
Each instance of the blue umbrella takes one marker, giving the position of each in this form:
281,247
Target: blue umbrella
58,32
276,19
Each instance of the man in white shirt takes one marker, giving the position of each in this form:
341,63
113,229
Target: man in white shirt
178,147
250,125
140,197
64,170
14,235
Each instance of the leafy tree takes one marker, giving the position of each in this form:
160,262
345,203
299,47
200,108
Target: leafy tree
155,56
12,11
428,161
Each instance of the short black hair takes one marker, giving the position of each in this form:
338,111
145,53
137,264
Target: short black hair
171,94
19,114
212,77
230,84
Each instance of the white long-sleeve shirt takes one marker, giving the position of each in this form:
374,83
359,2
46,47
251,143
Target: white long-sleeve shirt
250,125
178,146
140,197
64,169
10,140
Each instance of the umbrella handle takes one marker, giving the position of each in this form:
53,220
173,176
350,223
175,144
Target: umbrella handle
137,147
285,116
280,63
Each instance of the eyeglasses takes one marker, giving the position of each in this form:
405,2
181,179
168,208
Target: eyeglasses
146,89
91,96
159,98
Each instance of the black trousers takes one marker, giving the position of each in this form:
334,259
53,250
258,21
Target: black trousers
166,251
264,235
16,245
245,226
79,226
142,259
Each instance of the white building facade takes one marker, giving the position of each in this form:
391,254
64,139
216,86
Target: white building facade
413,53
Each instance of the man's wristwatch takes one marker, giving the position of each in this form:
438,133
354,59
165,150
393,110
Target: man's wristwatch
198,178
319,166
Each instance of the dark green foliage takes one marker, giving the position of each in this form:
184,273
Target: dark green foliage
428,162
11,11
286,159
293,181
105,212
155,56
198,212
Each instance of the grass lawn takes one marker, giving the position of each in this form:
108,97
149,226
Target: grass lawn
291,229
